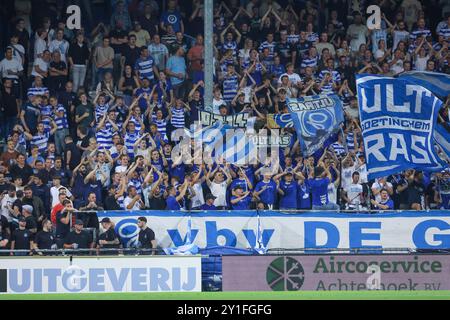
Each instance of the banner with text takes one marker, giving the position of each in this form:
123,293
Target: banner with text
100,275
323,230
316,119
397,121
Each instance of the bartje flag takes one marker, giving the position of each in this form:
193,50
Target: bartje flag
437,83
398,119
316,118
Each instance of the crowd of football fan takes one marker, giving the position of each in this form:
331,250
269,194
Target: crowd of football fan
87,115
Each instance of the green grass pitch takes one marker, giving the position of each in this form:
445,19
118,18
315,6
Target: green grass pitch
298,295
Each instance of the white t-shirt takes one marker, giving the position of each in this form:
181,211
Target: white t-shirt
12,65
400,36
7,201
358,35
120,169
363,174
216,105
136,206
332,193
61,46
219,190
39,47
197,200
42,65
347,176
294,78
353,192
421,63
377,186
54,192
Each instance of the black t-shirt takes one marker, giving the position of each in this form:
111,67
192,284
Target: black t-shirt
4,222
31,223
111,203
4,187
157,203
83,239
284,50
195,106
131,55
109,235
75,158
25,173
8,103
44,240
415,192
302,49
145,238
22,239
61,229
118,34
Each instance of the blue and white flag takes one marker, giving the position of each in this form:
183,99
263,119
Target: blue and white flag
189,248
442,138
437,83
236,146
397,120
259,246
316,118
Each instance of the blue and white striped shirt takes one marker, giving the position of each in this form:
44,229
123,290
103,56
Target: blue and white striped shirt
41,141
230,87
271,47
310,62
145,68
130,139
104,136
100,111
177,117
38,91
61,122
293,38
419,33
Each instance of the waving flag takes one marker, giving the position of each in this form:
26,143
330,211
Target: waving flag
189,248
279,121
438,83
442,138
316,118
398,119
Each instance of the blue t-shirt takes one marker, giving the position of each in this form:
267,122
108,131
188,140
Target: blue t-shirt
319,190
289,199
172,203
304,200
239,182
207,207
176,64
243,204
268,196
173,18
388,203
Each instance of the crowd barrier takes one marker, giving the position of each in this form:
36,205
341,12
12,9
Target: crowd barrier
290,230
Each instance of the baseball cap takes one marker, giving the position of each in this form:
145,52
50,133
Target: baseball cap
79,222
210,196
22,219
105,220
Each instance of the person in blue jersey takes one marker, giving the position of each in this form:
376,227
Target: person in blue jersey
240,200
41,138
172,17
230,84
266,191
288,189
303,190
131,135
176,69
318,180
174,198
209,203
241,180
145,67
385,203
442,194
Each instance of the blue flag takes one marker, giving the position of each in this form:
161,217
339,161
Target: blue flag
398,118
315,119
437,83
